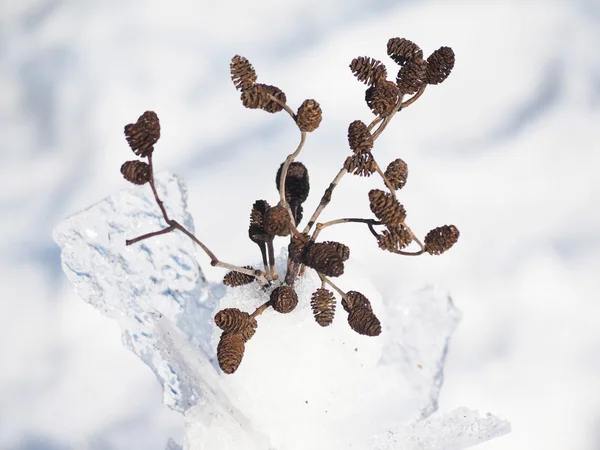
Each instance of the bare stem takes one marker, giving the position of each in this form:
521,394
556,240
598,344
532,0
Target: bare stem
153,186
260,309
413,99
149,235
324,279
272,273
321,226
283,105
325,199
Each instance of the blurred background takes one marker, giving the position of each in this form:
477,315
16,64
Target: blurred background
506,149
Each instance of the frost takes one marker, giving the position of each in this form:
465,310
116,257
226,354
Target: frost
299,385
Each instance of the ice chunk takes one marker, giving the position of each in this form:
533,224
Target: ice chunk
459,429
133,283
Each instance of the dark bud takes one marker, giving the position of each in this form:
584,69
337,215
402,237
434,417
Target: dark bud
368,70
439,65
256,230
441,239
402,50
243,74
297,185
309,116
230,352
323,306
143,134
136,172
386,208
284,299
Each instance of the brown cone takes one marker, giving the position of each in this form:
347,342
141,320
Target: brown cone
256,230
309,116
439,65
342,250
361,164
324,258
394,239
364,321
234,278
386,208
232,320
397,173
284,299
441,239
230,352
382,97
136,172
297,185
359,137
402,50
143,134
243,74
277,221
323,306
412,76
354,299
297,248
368,70
256,97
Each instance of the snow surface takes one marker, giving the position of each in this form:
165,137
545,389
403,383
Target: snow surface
300,385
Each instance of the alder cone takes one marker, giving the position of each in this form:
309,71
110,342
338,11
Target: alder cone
234,278
230,352
256,230
397,173
412,76
142,135
297,248
342,250
439,65
364,321
277,221
361,164
324,258
386,208
402,50
441,239
256,97
368,70
232,320
323,306
284,299
354,299
136,172
359,137
243,74
309,116
382,97
394,239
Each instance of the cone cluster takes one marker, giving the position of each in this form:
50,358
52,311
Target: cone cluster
386,208
360,314
234,278
142,135
284,299
309,116
136,172
323,306
397,173
238,327
361,162
440,239
232,320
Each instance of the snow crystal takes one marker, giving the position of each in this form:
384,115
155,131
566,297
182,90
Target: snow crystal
299,385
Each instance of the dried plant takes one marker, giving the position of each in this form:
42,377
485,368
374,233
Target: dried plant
385,99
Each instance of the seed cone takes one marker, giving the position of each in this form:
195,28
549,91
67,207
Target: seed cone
386,208
230,352
234,278
143,134
441,239
324,258
402,50
323,306
394,239
284,299
243,74
256,230
297,185
412,76
257,97
355,299
277,221
309,116
364,321
382,97
232,320
359,137
368,70
439,65
297,248
342,250
136,172
361,164
397,173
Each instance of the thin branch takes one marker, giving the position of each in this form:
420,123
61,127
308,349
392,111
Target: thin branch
260,309
324,279
325,199
149,235
283,105
153,186
321,226
413,99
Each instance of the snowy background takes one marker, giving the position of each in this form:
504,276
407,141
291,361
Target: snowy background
506,149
